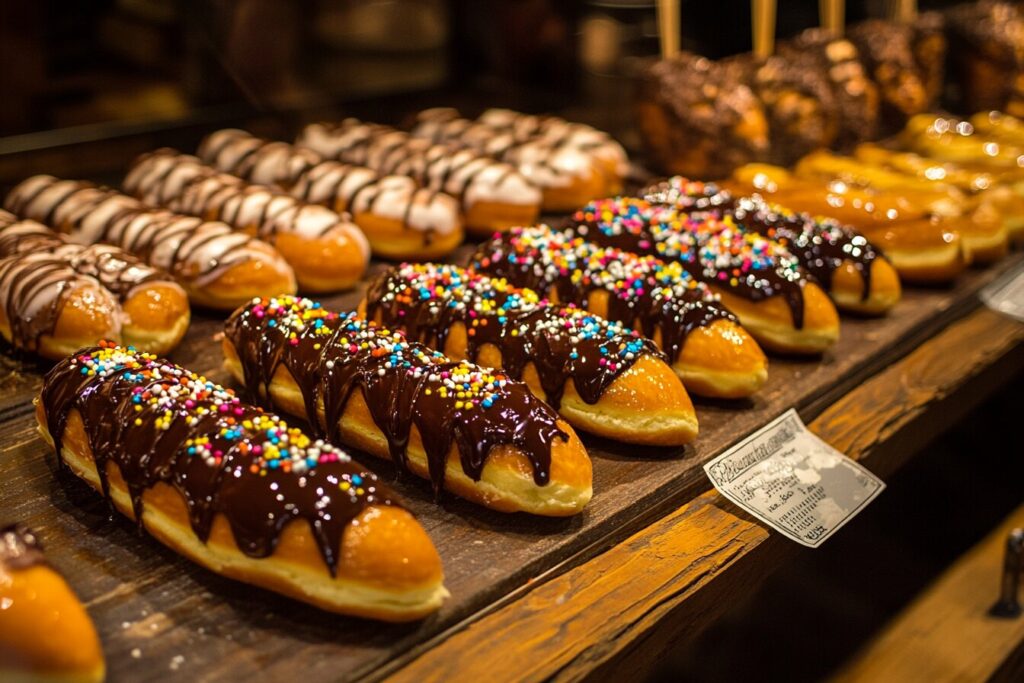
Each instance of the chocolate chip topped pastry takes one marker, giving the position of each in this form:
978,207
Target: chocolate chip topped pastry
469,430
400,219
237,489
887,50
494,195
698,118
45,632
709,351
216,265
987,39
601,376
326,250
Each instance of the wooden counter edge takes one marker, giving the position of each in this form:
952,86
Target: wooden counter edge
585,618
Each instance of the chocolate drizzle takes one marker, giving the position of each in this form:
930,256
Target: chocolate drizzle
161,424
19,548
404,383
642,292
562,342
820,244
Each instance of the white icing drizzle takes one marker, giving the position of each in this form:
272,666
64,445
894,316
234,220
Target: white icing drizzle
338,186
182,183
194,251
466,173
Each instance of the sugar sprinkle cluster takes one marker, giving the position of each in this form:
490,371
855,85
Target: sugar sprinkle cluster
173,394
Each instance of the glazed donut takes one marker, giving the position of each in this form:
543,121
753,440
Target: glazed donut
149,310
601,376
400,219
921,247
469,430
326,250
294,515
707,348
45,632
843,262
570,162
493,195
216,265
756,278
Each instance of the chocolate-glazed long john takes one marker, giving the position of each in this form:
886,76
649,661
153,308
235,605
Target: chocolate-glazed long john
236,489
601,376
45,632
400,219
470,430
844,262
493,194
326,250
57,296
757,279
217,266
706,346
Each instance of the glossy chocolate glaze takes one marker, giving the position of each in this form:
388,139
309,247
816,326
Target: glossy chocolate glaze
820,244
562,342
19,548
404,384
161,424
643,292
714,251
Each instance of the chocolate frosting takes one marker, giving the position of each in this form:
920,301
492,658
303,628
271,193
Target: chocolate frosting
19,548
159,423
715,251
404,383
820,244
642,291
563,342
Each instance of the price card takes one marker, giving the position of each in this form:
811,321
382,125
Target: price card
793,481
1006,293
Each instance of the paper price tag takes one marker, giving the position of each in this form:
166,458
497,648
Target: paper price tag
1006,294
793,481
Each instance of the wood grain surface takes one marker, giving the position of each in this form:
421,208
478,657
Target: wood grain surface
160,617
632,598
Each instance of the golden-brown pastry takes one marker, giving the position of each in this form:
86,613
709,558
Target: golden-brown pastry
58,296
326,250
921,247
400,219
842,261
757,279
707,348
698,119
467,429
217,266
600,376
572,163
493,194
46,636
236,489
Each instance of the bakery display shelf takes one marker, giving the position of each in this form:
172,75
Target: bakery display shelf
163,617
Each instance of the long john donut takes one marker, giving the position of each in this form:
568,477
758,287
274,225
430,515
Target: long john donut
468,430
400,219
218,267
493,194
843,262
326,250
43,275
571,163
45,632
236,489
601,376
707,348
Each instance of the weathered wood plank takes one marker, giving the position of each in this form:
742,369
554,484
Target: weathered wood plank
582,620
225,629
946,633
